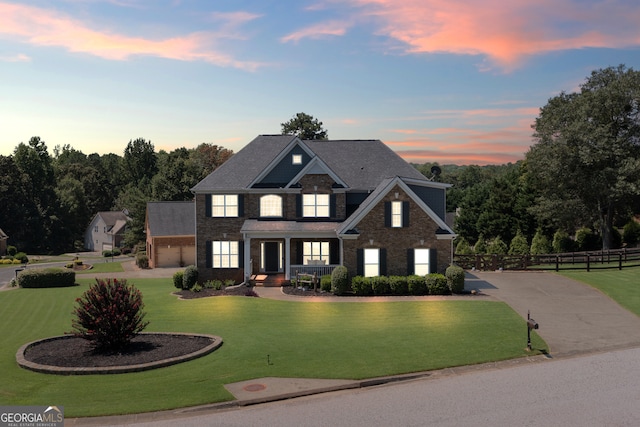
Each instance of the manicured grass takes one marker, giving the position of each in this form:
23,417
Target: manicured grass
103,266
623,286
301,339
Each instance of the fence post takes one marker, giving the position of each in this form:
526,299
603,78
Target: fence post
620,261
557,263
588,262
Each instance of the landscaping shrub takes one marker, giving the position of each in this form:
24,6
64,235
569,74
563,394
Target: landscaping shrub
229,282
437,284
22,257
46,278
587,240
325,283
190,277
540,244
361,286
339,280
417,285
398,285
481,246
562,242
630,233
177,279
12,250
109,314
380,285
142,260
455,279
497,246
196,288
519,245
215,284
463,247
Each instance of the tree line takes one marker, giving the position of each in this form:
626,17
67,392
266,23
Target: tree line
48,201
578,187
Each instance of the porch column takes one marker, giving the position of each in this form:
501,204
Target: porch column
248,265
287,258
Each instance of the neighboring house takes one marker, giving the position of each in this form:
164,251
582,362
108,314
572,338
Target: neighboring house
106,231
171,234
282,205
3,242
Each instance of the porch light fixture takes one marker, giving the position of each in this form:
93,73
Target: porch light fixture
224,235
397,195
421,242
371,242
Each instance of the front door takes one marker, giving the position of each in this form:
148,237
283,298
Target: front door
271,254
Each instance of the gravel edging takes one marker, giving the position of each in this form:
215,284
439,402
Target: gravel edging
216,342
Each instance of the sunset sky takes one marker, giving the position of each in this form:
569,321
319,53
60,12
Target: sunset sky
448,81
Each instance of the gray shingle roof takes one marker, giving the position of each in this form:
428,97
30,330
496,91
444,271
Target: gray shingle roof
110,218
240,170
171,218
361,164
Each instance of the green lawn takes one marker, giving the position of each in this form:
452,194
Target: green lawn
103,266
623,286
301,339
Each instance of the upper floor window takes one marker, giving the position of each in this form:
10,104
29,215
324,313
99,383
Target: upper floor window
224,205
315,205
396,214
296,159
271,206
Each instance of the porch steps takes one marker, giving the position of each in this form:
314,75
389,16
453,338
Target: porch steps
269,280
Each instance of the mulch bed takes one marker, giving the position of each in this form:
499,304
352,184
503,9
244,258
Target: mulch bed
305,292
205,292
75,352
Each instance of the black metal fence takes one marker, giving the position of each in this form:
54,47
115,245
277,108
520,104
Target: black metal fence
592,260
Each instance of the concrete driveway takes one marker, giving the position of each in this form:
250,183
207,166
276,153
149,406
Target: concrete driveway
574,318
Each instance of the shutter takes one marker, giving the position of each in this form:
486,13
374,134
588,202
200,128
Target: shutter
360,262
433,260
334,252
208,252
207,202
411,264
405,214
298,205
240,205
299,252
241,254
383,262
387,214
332,205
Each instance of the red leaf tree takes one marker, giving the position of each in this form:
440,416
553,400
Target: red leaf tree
109,314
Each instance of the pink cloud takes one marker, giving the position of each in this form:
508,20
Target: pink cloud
43,27
317,31
504,32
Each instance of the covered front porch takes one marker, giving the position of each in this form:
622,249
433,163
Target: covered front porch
290,247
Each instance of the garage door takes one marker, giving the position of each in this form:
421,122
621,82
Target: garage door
168,257
189,255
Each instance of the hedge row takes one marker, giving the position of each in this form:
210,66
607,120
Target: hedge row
431,284
46,278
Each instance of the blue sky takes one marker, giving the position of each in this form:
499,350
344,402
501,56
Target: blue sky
451,81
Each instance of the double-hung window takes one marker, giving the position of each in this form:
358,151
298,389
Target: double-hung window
396,214
315,205
371,262
225,254
421,261
224,205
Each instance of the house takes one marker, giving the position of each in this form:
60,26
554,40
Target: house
106,231
3,242
171,234
282,205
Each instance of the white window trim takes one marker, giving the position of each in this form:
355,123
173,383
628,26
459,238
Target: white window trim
420,267
396,214
272,200
225,254
371,268
228,207
307,207
315,251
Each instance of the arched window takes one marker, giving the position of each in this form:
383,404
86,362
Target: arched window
271,206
